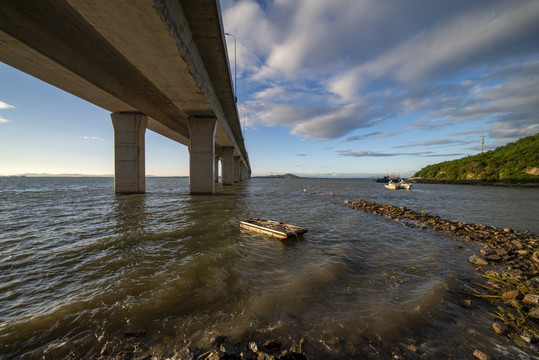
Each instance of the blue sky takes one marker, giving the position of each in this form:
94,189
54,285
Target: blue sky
326,88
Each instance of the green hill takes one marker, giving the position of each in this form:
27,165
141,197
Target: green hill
516,162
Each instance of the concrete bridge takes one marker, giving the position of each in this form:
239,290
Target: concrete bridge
156,64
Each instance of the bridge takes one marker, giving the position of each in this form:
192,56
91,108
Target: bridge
154,64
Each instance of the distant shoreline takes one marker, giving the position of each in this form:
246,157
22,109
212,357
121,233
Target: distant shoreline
477,182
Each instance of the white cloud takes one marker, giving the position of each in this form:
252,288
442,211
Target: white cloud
4,106
93,138
2,120
327,68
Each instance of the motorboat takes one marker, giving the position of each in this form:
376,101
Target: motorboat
398,185
391,185
404,185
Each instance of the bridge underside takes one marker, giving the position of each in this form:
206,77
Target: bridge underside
158,63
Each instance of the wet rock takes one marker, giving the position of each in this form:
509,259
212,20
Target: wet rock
227,348
513,294
494,257
253,347
107,349
273,345
535,256
474,259
531,299
500,328
534,313
480,355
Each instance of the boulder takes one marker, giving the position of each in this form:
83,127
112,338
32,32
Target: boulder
474,259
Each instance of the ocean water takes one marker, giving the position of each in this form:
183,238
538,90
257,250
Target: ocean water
80,266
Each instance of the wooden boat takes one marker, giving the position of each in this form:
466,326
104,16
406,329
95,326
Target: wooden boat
273,228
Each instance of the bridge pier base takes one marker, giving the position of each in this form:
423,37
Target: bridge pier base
227,166
129,166
202,154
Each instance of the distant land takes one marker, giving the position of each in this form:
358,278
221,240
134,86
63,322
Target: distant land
514,163
285,176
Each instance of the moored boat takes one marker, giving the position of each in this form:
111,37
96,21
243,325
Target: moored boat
391,185
273,228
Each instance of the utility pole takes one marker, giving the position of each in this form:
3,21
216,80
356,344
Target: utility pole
482,142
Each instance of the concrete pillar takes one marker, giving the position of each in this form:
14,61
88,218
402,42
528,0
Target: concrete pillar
202,154
236,169
244,172
129,167
216,169
227,166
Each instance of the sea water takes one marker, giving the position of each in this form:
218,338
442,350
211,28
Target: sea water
81,266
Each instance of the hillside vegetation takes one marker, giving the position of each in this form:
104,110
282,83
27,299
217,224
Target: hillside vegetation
516,162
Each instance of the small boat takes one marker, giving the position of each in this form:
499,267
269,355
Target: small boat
273,228
404,185
391,185
400,185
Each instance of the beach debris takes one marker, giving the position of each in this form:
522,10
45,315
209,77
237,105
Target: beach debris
272,228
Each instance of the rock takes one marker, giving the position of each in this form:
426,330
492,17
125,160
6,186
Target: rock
494,257
474,259
227,348
514,294
500,328
501,252
480,355
273,345
107,349
299,347
466,303
531,299
527,337
253,347
213,355
520,343
536,256
534,313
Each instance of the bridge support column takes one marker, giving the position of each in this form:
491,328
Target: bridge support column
216,169
129,166
227,166
237,164
244,172
202,155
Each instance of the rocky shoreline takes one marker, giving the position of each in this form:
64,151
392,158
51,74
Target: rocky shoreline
508,262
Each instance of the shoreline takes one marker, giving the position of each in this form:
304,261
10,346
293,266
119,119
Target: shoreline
476,182
508,262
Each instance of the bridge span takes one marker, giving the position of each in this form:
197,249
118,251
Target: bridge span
154,64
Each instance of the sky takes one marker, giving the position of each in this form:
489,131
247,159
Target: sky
329,88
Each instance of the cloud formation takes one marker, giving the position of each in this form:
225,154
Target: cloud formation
5,106
93,138
332,69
